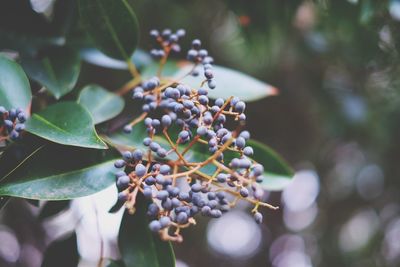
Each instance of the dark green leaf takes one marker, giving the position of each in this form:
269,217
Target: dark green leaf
58,70
102,104
33,202
230,83
277,174
112,25
52,208
128,141
66,123
61,172
4,201
64,250
14,85
115,263
138,245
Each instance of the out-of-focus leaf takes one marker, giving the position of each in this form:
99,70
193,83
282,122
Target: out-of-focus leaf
230,83
277,173
112,25
93,56
115,263
33,202
169,69
3,202
14,85
62,252
65,123
102,104
61,172
52,208
58,70
138,245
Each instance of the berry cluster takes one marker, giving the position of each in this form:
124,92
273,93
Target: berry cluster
11,123
177,119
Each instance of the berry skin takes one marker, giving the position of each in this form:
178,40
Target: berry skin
196,44
162,195
211,84
258,217
240,106
202,91
219,102
123,182
208,74
122,196
165,221
147,141
166,121
147,192
240,142
244,192
258,169
155,226
127,129
14,135
248,151
245,135
127,156
154,33
137,155
182,218
165,169
140,170
119,163
3,110
196,187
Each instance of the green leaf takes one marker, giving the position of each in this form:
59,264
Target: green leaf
58,70
115,263
128,141
170,68
14,85
93,56
61,172
102,104
66,123
277,173
138,245
230,83
112,25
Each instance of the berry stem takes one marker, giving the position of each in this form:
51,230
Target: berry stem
132,68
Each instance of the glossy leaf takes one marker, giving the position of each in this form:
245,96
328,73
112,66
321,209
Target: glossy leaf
128,141
171,68
58,70
230,83
112,25
66,123
138,245
277,174
102,104
96,57
61,172
14,85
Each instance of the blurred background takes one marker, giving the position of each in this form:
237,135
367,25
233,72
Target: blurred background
336,120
